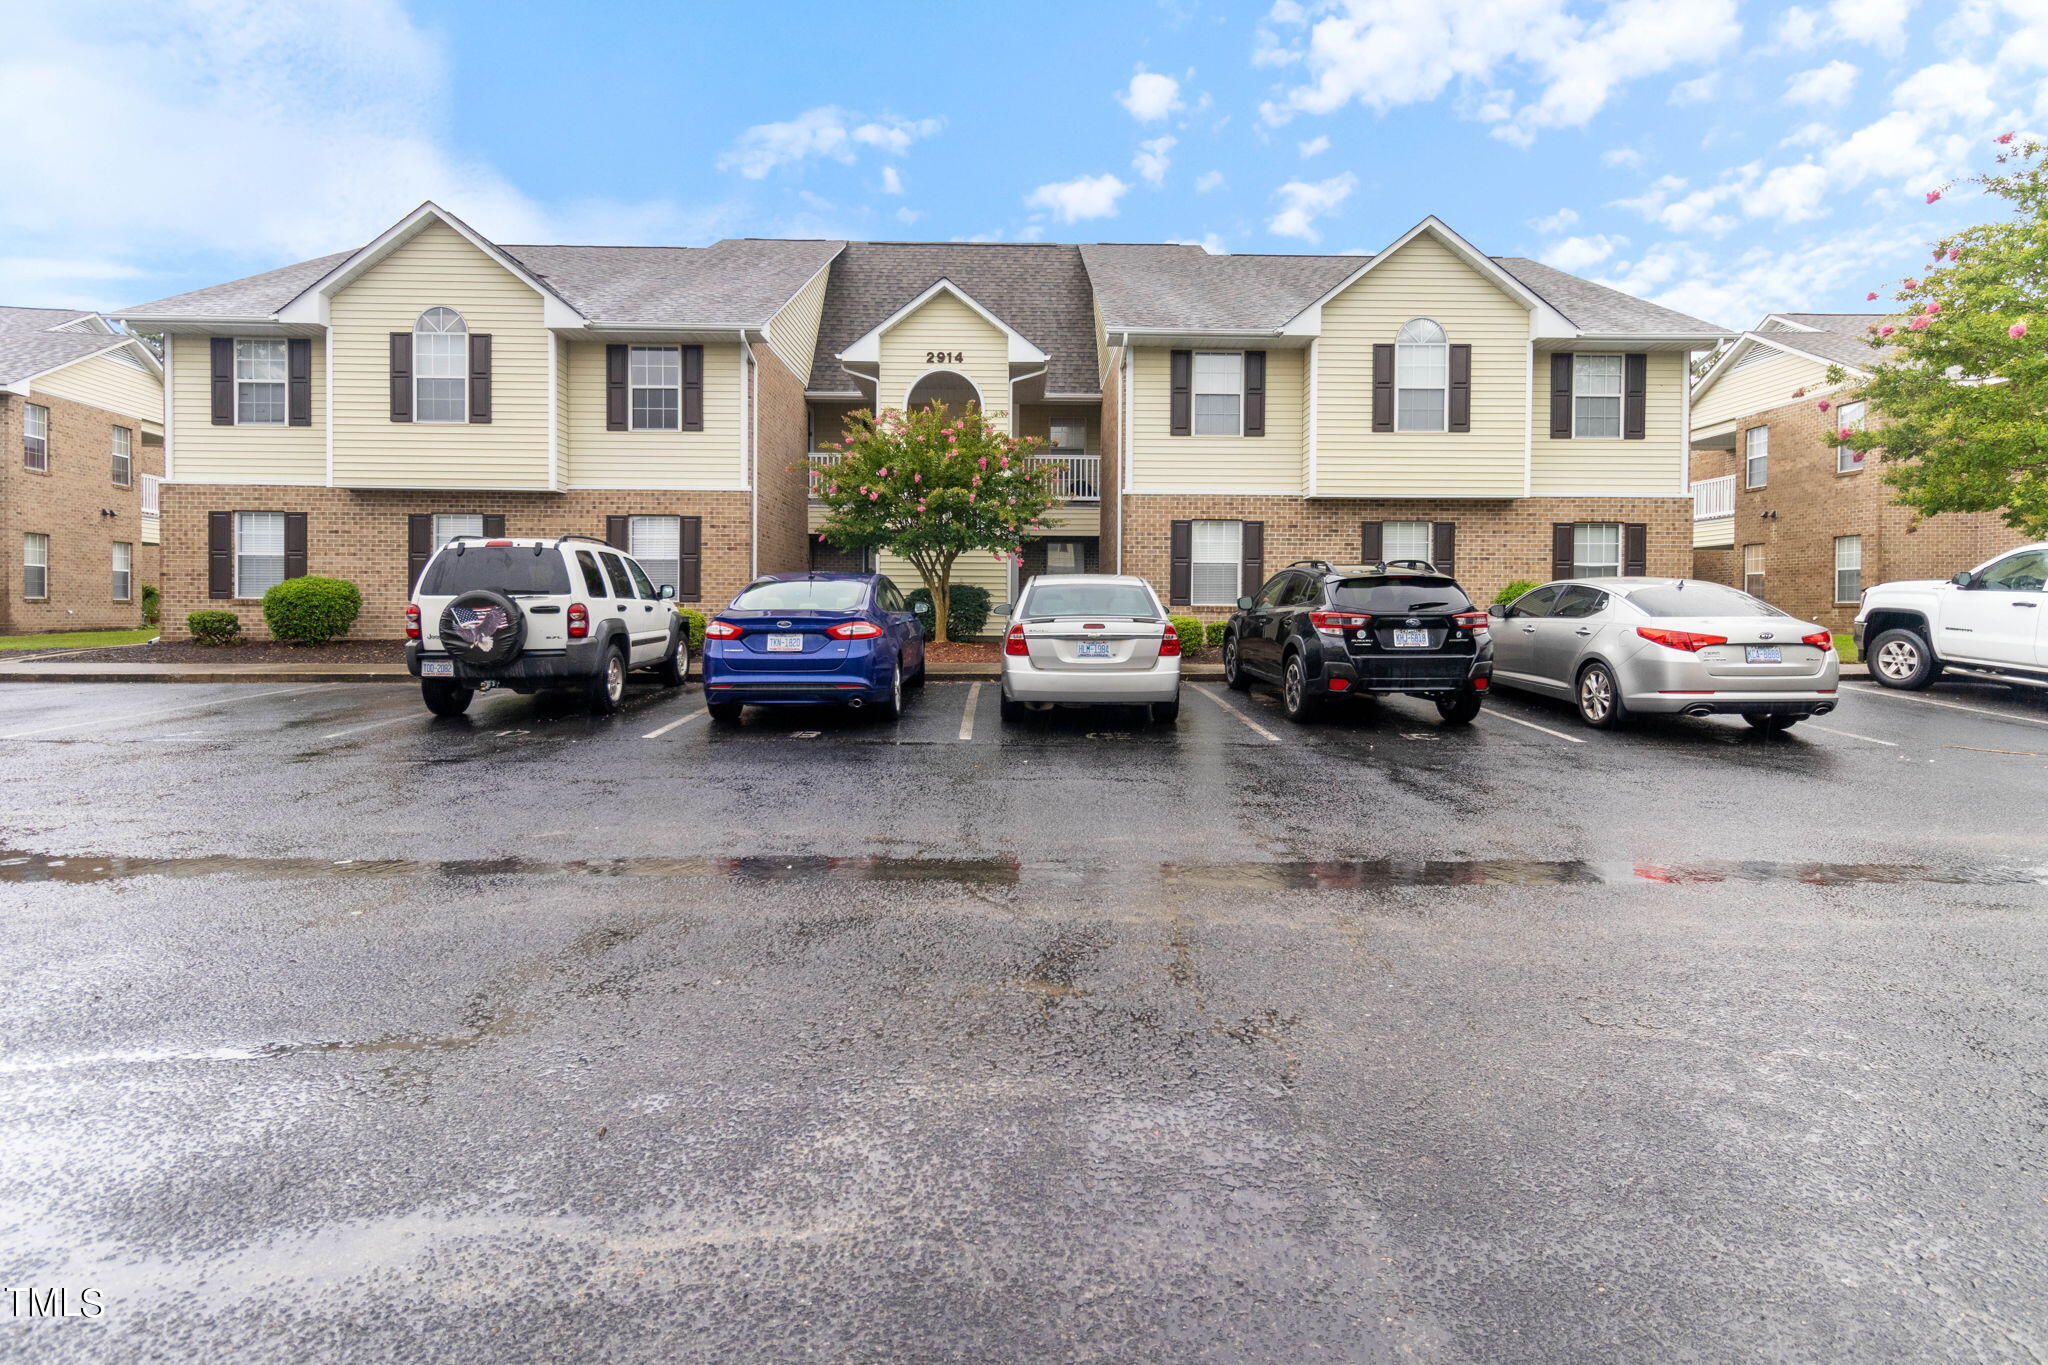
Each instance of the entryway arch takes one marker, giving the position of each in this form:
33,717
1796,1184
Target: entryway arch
950,387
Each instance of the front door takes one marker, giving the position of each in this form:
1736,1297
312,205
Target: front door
1997,619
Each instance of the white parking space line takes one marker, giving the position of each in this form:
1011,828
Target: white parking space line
161,711
661,730
1492,713
1250,724
967,716
1850,734
374,725
1929,701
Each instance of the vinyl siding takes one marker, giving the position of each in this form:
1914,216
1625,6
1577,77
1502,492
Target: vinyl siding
204,453
793,332
1423,279
946,324
977,568
438,267
598,458
1758,387
1072,519
1163,462
1712,533
1656,464
108,384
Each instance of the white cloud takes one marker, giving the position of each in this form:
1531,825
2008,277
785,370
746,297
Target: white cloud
1698,90
1315,146
826,131
1151,96
1302,202
1763,279
1085,196
1556,222
1207,181
1153,160
1581,253
1799,27
1667,204
1621,156
907,215
1828,84
1959,90
892,180
1875,23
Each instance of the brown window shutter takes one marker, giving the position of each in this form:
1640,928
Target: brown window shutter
1372,541
1561,396
615,388
223,359
295,545
1461,388
494,524
1180,574
419,547
1253,547
1181,384
401,376
298,370
618,533
693,388
1635,392
1635,548
1561,549
1443,547
1383,386
220,554
1255,393
480,377
690,569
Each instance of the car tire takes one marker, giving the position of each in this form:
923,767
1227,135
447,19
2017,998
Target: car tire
607,687
1300,704
1903,659
725,712
1460,707
1012,710
1234,676
674,668
445,698
1598,697
891,706
1166,712
1771,725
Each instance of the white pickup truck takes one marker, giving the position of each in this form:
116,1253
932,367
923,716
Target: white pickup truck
1986,622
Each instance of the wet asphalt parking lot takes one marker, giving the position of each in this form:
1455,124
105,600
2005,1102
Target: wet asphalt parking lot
334,1031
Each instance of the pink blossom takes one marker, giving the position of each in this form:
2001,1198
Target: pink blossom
1933,195
1843,433
881,473
920,507
1933,308
970,497
1919,324
1886,330
1912,284
873,497
1955,255
1825,405
917,478
1871,295
982,463
2017,330
2002,139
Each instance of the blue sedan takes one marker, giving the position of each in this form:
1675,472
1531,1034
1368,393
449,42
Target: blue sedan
810,638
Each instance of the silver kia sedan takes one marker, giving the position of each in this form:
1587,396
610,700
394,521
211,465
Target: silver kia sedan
1090,639
1618,647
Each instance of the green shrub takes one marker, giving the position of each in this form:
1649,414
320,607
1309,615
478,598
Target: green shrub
152,604
311,610
967,610
1189,628
694,621
214,627
1217,630
1514,590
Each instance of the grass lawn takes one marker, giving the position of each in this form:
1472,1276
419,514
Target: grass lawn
79,639
1845,645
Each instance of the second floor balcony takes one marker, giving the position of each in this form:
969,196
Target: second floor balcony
1076,477
1713,498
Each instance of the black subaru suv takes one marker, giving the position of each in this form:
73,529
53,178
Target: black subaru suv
1321,630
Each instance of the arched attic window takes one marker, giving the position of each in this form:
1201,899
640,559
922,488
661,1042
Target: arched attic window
440,367
1422,377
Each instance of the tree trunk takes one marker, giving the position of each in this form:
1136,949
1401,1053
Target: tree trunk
942,602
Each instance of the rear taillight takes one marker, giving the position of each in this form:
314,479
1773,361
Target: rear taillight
1481,684
1470,620
1679,639
1820,639
1339,620
722,630
854,630
1013,643
497,544
412,620
1169,643
579,621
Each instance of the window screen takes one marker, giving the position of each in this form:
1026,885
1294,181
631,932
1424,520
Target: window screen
1219,393
259,552
1216,563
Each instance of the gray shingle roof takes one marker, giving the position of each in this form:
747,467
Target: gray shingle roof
1602,311
252,296
736,282
29,345
1040,291
1840,338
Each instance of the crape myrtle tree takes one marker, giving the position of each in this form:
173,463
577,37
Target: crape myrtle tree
932,485
1960,376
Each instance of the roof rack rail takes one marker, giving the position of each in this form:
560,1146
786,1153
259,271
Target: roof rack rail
594,540
1421,564
1312,563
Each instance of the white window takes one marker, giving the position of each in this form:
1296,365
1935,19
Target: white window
654,383
1216,567
440,367
1756,464
657,542
35,565
1064,556
1848,568
1404,540
259,383
1596,396
1422,377
124,566
259,552
1596,549
1067,437
448,525
1753,570
152,496
1219,395
1849,417
124,456
35,436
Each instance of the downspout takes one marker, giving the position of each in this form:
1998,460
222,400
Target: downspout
1123,441
750,444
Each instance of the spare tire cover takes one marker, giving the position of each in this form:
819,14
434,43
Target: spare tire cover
483,628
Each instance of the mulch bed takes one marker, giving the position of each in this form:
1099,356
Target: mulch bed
255,652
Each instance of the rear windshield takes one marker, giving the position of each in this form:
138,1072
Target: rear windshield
1412,592
1089,599
805,594
1699,599
508,569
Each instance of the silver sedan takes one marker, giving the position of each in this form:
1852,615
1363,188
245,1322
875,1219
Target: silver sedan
1618,647
1090,640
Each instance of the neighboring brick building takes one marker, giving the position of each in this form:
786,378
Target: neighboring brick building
81,453
1780,510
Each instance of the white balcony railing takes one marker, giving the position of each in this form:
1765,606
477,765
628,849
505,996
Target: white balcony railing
1076,478
822,457
1713,498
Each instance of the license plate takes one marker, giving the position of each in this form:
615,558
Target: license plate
1092,649
785,644
437,668
1411,639
1763,654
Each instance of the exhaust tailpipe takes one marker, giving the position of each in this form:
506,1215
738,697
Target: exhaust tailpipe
856,703
1699,710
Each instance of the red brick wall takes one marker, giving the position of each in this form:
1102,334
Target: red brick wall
67,504
1112,467
779,479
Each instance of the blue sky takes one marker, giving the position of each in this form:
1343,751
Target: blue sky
1723,158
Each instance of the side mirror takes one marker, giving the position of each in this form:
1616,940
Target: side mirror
922,608
1499,611
1001,609
1244,604
667,593
1964,579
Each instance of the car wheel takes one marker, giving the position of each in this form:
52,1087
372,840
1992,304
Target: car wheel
445,698
1903,659
1166,712
674,667
1296,700
1459,707
892,706
1771,725
607,689
725,712
1599,698
1234,676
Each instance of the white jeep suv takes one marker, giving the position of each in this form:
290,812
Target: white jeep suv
1988,622
538,613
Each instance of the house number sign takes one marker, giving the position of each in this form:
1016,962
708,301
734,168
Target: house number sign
945,357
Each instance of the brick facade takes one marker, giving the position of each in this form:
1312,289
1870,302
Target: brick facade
782,458
1499,540
1805,504
1111,451
77,504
